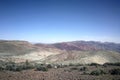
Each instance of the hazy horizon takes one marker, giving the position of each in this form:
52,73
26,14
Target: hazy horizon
51,21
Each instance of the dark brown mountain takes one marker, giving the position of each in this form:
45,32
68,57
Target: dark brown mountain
83,46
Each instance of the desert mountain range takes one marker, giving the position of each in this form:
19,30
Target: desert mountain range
83,52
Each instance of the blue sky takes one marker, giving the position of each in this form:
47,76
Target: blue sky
60,20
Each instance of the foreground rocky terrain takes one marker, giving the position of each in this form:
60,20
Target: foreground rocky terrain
71,72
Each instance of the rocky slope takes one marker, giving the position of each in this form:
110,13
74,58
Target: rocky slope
15,47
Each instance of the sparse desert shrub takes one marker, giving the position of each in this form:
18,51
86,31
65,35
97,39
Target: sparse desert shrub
67,70
58,66
64,66
111,64
49,66
11,66
17,68
83,69
97,72
117,64
1,68
74,68
114,71
71,64
94,64
85,73
42,68
78,64
26,67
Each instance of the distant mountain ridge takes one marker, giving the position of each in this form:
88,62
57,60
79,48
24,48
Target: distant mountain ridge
84,45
